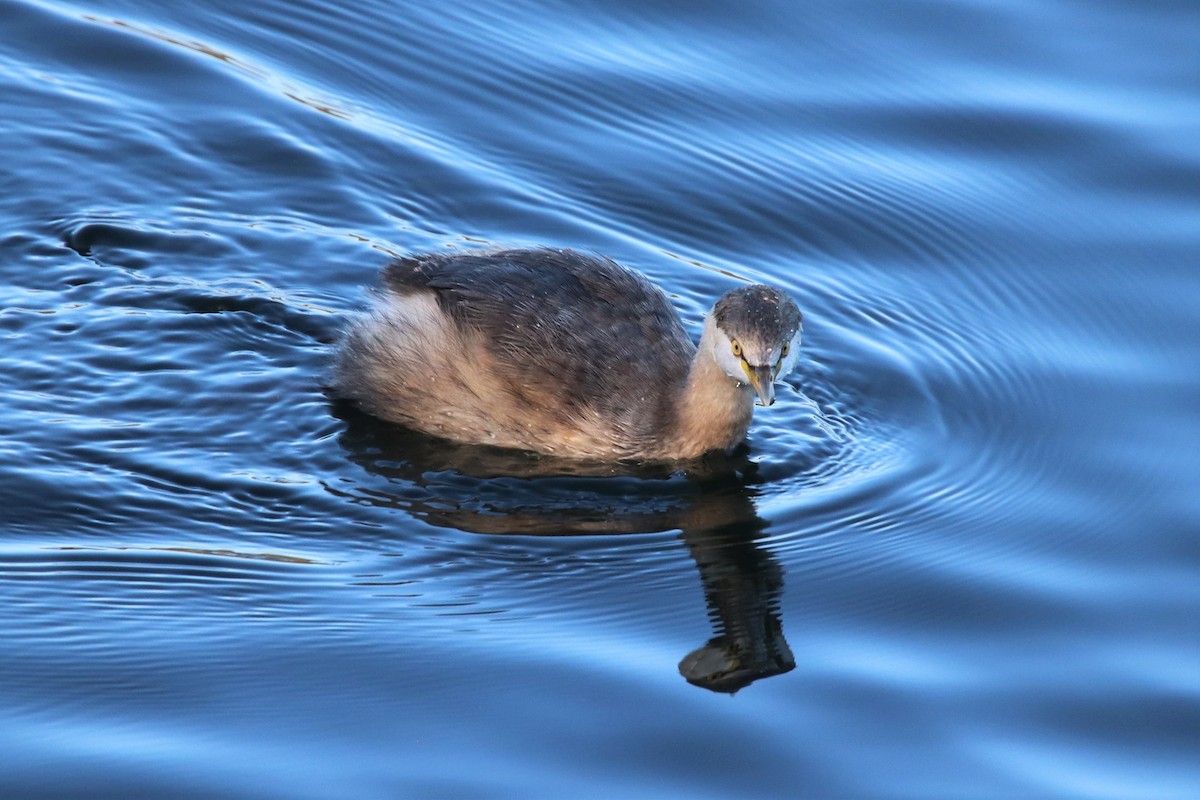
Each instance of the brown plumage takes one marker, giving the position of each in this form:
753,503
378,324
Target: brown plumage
562,353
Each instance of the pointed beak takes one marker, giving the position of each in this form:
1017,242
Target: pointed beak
763,381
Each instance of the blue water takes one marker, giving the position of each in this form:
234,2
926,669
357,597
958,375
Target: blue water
961,557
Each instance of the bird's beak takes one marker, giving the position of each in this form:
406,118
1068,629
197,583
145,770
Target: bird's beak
763,381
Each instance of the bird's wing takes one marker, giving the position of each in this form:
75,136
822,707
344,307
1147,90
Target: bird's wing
583,330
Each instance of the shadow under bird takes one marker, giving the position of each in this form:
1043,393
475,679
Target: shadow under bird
562,353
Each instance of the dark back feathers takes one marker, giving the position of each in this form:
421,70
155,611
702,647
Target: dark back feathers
562,326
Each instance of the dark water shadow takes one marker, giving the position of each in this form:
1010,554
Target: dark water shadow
502,492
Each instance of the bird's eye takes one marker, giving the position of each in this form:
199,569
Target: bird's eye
784,350
737,348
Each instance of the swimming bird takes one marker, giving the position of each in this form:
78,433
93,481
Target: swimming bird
562,353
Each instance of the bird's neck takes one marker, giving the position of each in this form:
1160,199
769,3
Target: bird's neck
715,410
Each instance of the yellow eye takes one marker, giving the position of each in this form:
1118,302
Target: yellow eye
784,350
737,348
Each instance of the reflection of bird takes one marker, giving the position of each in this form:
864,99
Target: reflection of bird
563,353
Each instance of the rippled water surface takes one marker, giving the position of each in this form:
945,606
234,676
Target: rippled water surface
959,558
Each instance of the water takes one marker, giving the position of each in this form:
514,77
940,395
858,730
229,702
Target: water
959,558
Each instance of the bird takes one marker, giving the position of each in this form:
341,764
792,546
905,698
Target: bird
564,354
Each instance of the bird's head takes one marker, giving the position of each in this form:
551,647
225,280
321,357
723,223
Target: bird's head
758,337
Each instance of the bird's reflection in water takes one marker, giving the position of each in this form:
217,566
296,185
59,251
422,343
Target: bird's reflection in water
742,586
482,490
